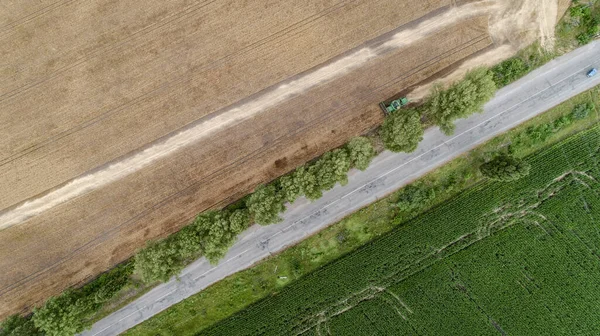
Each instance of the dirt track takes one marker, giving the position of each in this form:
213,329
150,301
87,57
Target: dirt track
106,90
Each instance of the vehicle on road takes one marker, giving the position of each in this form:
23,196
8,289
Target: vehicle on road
394,105
592,72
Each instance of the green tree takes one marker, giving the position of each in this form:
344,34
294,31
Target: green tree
159,260
402,131
461,99
60,315
306,180
17,325
265,204
331,168
188,241
239,220
505,168
290,187
218,237
361,152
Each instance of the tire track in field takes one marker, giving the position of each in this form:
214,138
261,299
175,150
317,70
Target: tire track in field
81,60
163,147
281,34
255,154
32,16
148,29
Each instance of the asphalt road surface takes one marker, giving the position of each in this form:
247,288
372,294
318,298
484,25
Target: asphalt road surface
544,88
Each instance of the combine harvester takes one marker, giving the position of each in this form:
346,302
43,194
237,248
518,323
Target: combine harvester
394,105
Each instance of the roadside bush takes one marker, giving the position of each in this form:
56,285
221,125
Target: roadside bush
17,325
361,152
61,315
69,313
402,131
509,70
461,99
540,133
586,22
581,111
414,196
505,168
265,204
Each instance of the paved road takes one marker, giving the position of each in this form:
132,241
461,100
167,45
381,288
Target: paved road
544,88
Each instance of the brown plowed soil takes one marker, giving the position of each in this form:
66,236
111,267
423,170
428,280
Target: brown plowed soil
89,83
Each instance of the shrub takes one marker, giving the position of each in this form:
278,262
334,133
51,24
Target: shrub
265,204
509,70
414,196
581,111
402,131
505,168
361,152
460,99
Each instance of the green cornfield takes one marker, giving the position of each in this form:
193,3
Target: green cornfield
517,258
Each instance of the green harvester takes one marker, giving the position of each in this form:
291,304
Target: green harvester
394,106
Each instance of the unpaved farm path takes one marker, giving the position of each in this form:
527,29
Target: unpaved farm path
544,88
120,131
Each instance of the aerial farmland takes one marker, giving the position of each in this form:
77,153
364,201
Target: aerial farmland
122,120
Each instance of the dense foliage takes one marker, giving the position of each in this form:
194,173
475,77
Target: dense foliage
69,312
505,168
481,263
509,70
415,196
265,204
460,99
19,326
402,131
361,152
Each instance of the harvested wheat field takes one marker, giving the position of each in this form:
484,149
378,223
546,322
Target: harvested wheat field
123,119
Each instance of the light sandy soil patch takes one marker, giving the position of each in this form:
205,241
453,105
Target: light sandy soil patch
514,24
131,76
